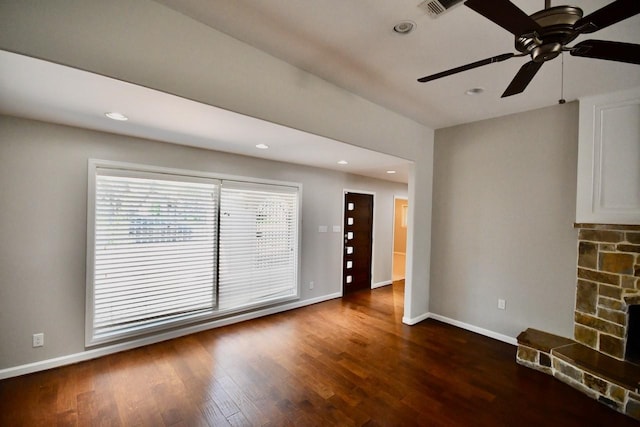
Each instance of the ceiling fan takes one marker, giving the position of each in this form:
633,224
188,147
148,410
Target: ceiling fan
545,34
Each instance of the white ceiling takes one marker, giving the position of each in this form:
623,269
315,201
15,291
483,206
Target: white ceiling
351,44
55,93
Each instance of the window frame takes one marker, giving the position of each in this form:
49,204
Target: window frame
94,165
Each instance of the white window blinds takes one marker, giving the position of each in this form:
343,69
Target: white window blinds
167,248
258,243
155,249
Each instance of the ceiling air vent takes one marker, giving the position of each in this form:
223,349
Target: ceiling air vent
437,7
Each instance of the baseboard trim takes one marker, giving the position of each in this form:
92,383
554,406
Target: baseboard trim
70,359
413,320
476,329
381,284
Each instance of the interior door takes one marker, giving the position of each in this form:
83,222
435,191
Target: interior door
358,238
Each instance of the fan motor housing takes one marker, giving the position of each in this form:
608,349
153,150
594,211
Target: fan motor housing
546,52
557,31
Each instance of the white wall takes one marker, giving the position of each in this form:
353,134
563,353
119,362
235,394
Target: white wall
43,192
504,207
143,42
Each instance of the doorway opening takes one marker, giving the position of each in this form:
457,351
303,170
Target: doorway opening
399,260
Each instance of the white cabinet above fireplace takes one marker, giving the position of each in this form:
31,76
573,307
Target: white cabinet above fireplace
609,159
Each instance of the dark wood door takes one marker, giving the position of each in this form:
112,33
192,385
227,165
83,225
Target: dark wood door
358,237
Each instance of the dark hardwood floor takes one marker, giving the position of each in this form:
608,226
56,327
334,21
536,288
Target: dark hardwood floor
343,362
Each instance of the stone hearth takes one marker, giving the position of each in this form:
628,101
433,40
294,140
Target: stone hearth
610,381
608,283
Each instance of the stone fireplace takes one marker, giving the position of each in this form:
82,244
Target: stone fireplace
603,359
608,284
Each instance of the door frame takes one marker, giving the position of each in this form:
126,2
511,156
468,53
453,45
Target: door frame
393,234
373,235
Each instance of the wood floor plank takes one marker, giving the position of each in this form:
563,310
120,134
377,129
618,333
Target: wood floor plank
249,410
344,362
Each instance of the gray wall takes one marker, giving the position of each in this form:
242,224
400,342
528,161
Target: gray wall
43,191
146,43
503,213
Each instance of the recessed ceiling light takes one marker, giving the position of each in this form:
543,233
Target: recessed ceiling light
343,162
117,116
475,91
404,27
262,146
391,172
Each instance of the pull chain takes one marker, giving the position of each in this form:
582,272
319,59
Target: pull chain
562,100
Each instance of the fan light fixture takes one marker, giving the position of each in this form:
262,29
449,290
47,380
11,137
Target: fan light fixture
262,146
391,172
343,162
116,116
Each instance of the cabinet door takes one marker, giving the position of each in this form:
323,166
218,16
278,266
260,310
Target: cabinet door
609,159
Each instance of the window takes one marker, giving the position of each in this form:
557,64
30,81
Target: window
168,247
257,243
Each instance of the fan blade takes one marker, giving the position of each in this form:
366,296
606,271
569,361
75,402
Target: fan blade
608,15
505,14
522,79
462,68
611,51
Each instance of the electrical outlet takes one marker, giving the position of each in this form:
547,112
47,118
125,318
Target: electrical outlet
502,304
310,285
38,340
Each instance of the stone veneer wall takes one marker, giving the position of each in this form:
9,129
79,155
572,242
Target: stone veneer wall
608,282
